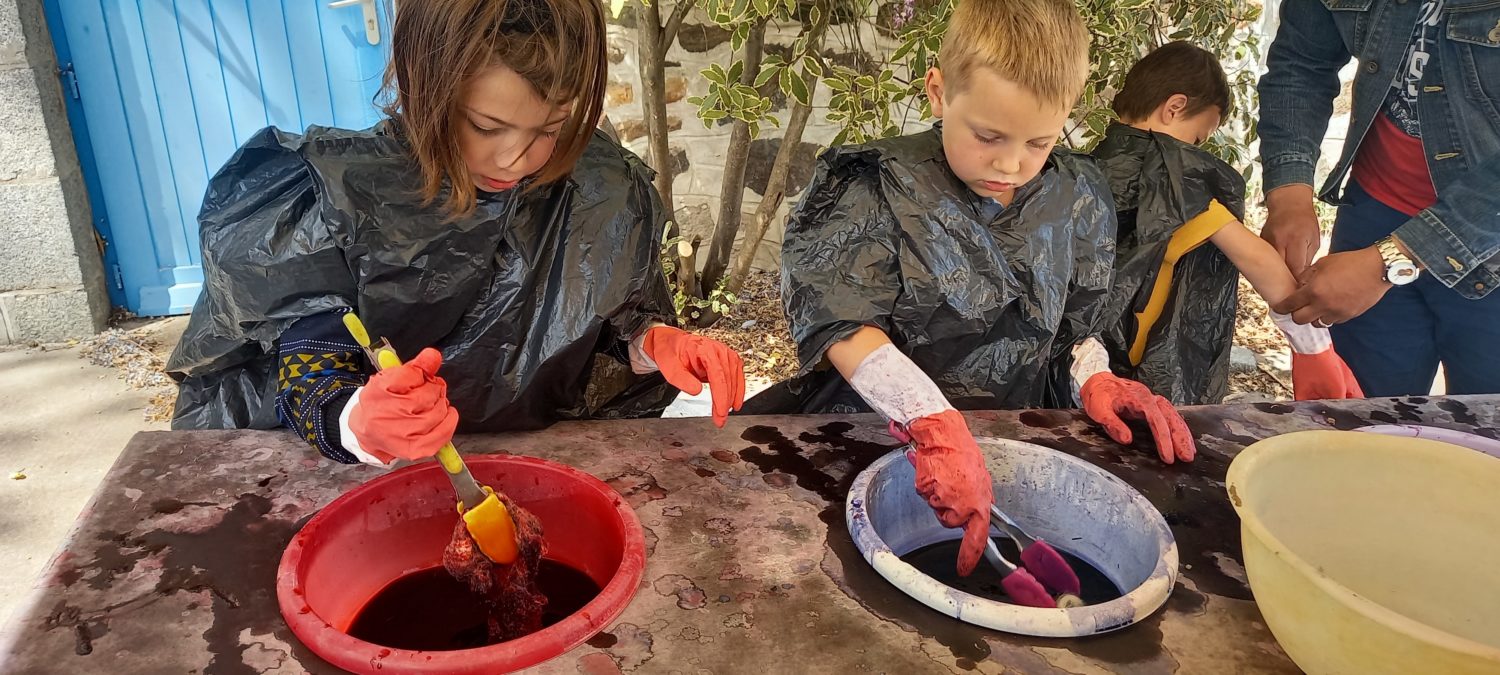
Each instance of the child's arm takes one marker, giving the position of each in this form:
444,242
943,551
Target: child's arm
1257,260
888,380
950,470
1317,371
847,354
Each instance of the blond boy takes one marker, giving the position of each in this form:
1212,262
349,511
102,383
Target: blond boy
964,267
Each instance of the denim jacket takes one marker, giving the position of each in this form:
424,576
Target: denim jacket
1458,238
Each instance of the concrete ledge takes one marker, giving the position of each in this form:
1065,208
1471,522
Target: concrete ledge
47,315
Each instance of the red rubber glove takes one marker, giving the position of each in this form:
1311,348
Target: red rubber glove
1322,375
403,412
1106,398
952,477
688,361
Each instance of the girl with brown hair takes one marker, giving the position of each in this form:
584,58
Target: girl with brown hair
485,227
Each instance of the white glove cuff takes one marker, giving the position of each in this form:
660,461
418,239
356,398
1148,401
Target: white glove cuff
641,363
1304,338
347,437
1089,359
895,387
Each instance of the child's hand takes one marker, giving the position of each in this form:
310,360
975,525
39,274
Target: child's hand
1318,372
688,361
1106,398
952,477
403,412
1321,376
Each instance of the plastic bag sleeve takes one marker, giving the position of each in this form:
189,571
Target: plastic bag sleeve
1089,359
896,387
648,301
839,267
269,255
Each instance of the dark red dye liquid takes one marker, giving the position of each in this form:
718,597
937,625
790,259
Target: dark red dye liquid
940,561
431,611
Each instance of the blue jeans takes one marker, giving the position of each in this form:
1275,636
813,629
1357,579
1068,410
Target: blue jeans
1394,349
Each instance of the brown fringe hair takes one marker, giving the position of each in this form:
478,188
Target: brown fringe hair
437,46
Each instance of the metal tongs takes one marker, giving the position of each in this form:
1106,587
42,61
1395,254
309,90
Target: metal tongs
1042,572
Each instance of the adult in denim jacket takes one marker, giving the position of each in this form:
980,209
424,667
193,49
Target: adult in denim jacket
1428,83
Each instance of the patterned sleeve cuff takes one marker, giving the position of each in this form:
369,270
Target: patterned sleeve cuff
319,367
309,409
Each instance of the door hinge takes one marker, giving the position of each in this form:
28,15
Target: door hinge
70,81
114,271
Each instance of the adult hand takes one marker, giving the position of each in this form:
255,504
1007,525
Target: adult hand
1292,226
1338,288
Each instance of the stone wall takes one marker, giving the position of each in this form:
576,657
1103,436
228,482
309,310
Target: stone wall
51,274
698,152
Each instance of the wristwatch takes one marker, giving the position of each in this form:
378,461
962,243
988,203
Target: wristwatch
1400,269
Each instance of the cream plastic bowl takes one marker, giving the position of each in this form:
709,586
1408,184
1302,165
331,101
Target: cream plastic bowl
1373,554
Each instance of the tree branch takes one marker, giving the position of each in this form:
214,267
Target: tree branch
674,23
781,167
775,194
736,157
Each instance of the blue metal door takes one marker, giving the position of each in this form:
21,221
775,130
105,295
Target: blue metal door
163,91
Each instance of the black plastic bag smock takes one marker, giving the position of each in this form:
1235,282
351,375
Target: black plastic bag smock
531,297
989,302
1160,183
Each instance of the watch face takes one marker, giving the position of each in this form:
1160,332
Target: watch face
1401,273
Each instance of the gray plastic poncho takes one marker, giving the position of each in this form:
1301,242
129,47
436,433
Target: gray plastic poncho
989,302
1160,183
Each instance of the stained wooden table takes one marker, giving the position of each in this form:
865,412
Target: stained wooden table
171,567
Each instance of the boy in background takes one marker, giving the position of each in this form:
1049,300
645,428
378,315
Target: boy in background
1182,246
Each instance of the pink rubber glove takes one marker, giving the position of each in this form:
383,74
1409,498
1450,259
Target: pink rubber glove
403,412
688,361
952,477
1023,587
1318,372
1323,375
1106,398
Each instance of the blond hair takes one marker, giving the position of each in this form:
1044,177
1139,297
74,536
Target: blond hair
1041,45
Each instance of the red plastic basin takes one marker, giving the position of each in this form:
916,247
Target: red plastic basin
399,523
